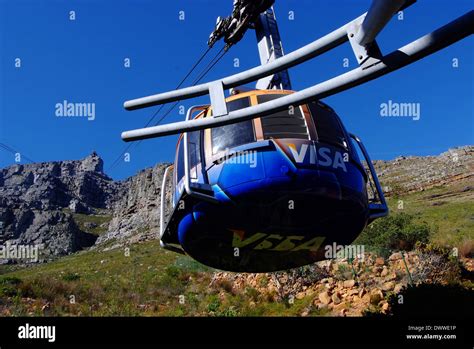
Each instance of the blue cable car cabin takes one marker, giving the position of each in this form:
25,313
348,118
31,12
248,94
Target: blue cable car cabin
270,193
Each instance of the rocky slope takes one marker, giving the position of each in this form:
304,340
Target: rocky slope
407,174
137,212
37,203
66,206
339,287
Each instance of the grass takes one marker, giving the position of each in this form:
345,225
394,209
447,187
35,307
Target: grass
447,210
150,282
107,283
98,220
95,224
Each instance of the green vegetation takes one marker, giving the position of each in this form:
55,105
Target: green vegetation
395,232
448,212
93,224
150,281
8,286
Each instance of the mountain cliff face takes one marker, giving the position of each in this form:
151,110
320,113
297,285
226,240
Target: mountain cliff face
38,203
67,206
408,174
136,214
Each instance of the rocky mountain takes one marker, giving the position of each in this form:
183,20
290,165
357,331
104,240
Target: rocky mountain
137,212
38,203
407,174
67,206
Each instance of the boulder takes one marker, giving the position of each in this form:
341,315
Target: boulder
349,283
379,261
376,296
77,207
300,295
336,298
388,286
353,292
324,297
398,288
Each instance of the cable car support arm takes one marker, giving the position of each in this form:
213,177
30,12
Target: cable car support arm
370,68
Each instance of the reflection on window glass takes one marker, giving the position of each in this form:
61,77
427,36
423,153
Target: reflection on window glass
194,150
229,136
180,162
328,127
194,141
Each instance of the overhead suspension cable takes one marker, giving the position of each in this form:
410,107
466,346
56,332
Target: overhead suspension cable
180,84
208,68
210,65
13,151
201,76
127,148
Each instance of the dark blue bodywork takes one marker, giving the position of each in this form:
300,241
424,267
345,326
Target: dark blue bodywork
277,204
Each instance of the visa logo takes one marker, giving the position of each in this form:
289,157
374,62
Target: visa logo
319,156
275,242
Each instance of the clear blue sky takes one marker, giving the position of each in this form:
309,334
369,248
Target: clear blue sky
82,61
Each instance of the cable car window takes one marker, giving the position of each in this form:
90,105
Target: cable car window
230,136
180,162
288,123
194,149
327,124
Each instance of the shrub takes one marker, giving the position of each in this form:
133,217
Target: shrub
71,276
45,287
436,264
172,271
252,293
224,284
9,286
466,249
229,312
397,232
214,305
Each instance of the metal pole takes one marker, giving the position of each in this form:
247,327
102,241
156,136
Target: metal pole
314,49
379,14
163,199
270,48
424,46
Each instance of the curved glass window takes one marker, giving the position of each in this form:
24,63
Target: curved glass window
194,149
328,127
180,162
230,136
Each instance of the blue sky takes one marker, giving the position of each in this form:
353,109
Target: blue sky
83,61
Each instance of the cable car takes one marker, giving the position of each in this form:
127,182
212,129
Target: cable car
268,194
265,179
